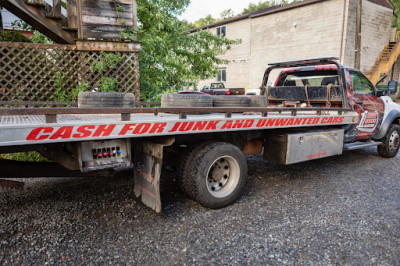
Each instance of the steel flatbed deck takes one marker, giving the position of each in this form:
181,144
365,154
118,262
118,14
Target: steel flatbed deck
27,126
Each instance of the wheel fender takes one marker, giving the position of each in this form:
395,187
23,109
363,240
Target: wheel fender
393,115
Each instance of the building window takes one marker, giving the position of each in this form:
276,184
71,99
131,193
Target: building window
221,31
222,75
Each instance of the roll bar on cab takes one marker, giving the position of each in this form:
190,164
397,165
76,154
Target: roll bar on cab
305,63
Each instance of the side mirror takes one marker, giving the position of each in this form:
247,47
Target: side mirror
380,93
392,86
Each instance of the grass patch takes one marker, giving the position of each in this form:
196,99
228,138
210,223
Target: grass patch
30,156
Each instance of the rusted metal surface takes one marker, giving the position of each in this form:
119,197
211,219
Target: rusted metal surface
37,103
312,62
40,72
51,118
125,117
252,147
52,103
177,110
147,170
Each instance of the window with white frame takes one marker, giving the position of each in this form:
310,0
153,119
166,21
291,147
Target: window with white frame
221,31
221,76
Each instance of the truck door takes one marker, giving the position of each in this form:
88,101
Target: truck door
369,107
214,88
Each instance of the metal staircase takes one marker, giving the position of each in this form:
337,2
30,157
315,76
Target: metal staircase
386,60
47,19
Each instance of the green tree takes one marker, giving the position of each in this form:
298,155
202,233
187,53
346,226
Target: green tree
258,6
228,13
266,4
204,21
171,58
252,7
396,4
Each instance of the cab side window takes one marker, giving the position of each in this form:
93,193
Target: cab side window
361,84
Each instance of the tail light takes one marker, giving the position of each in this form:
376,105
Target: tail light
228,92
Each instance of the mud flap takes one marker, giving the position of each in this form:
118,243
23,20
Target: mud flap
148,158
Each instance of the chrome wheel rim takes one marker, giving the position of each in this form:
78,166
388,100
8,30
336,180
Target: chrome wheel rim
223,176
394,141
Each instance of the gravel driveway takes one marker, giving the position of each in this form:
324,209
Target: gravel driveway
339,210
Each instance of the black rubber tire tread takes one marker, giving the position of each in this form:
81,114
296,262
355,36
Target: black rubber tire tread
106,99
185,160
231,101
199,163
383,150
258,100
186,100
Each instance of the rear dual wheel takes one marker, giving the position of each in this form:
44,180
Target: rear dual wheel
215,174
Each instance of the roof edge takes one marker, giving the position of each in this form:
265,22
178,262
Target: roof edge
257,13
291,6
219,23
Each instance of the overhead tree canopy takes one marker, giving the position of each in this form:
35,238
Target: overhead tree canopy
171,58
261,5
204,21
252,7
228,13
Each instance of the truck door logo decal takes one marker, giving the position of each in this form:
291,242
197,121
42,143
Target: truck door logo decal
369,121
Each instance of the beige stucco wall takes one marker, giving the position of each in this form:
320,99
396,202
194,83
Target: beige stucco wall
375,33
349,38
239,56
304,32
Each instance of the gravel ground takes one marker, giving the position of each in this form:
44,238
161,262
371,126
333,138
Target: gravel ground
339,210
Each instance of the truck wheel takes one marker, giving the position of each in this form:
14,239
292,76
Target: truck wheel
390,143
186,100
230,101
258,100
216,174
185,160
106,99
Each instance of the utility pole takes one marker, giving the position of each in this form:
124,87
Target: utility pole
357,57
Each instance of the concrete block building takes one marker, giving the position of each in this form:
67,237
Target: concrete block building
312,28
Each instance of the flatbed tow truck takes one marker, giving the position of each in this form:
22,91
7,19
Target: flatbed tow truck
206,146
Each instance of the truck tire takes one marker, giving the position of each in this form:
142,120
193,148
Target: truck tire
230,101
185,160
258,100
216,174
106,99
186,100
390,143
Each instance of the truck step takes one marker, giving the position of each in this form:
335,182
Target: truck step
360,145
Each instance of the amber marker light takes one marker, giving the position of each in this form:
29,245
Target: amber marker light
354,119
